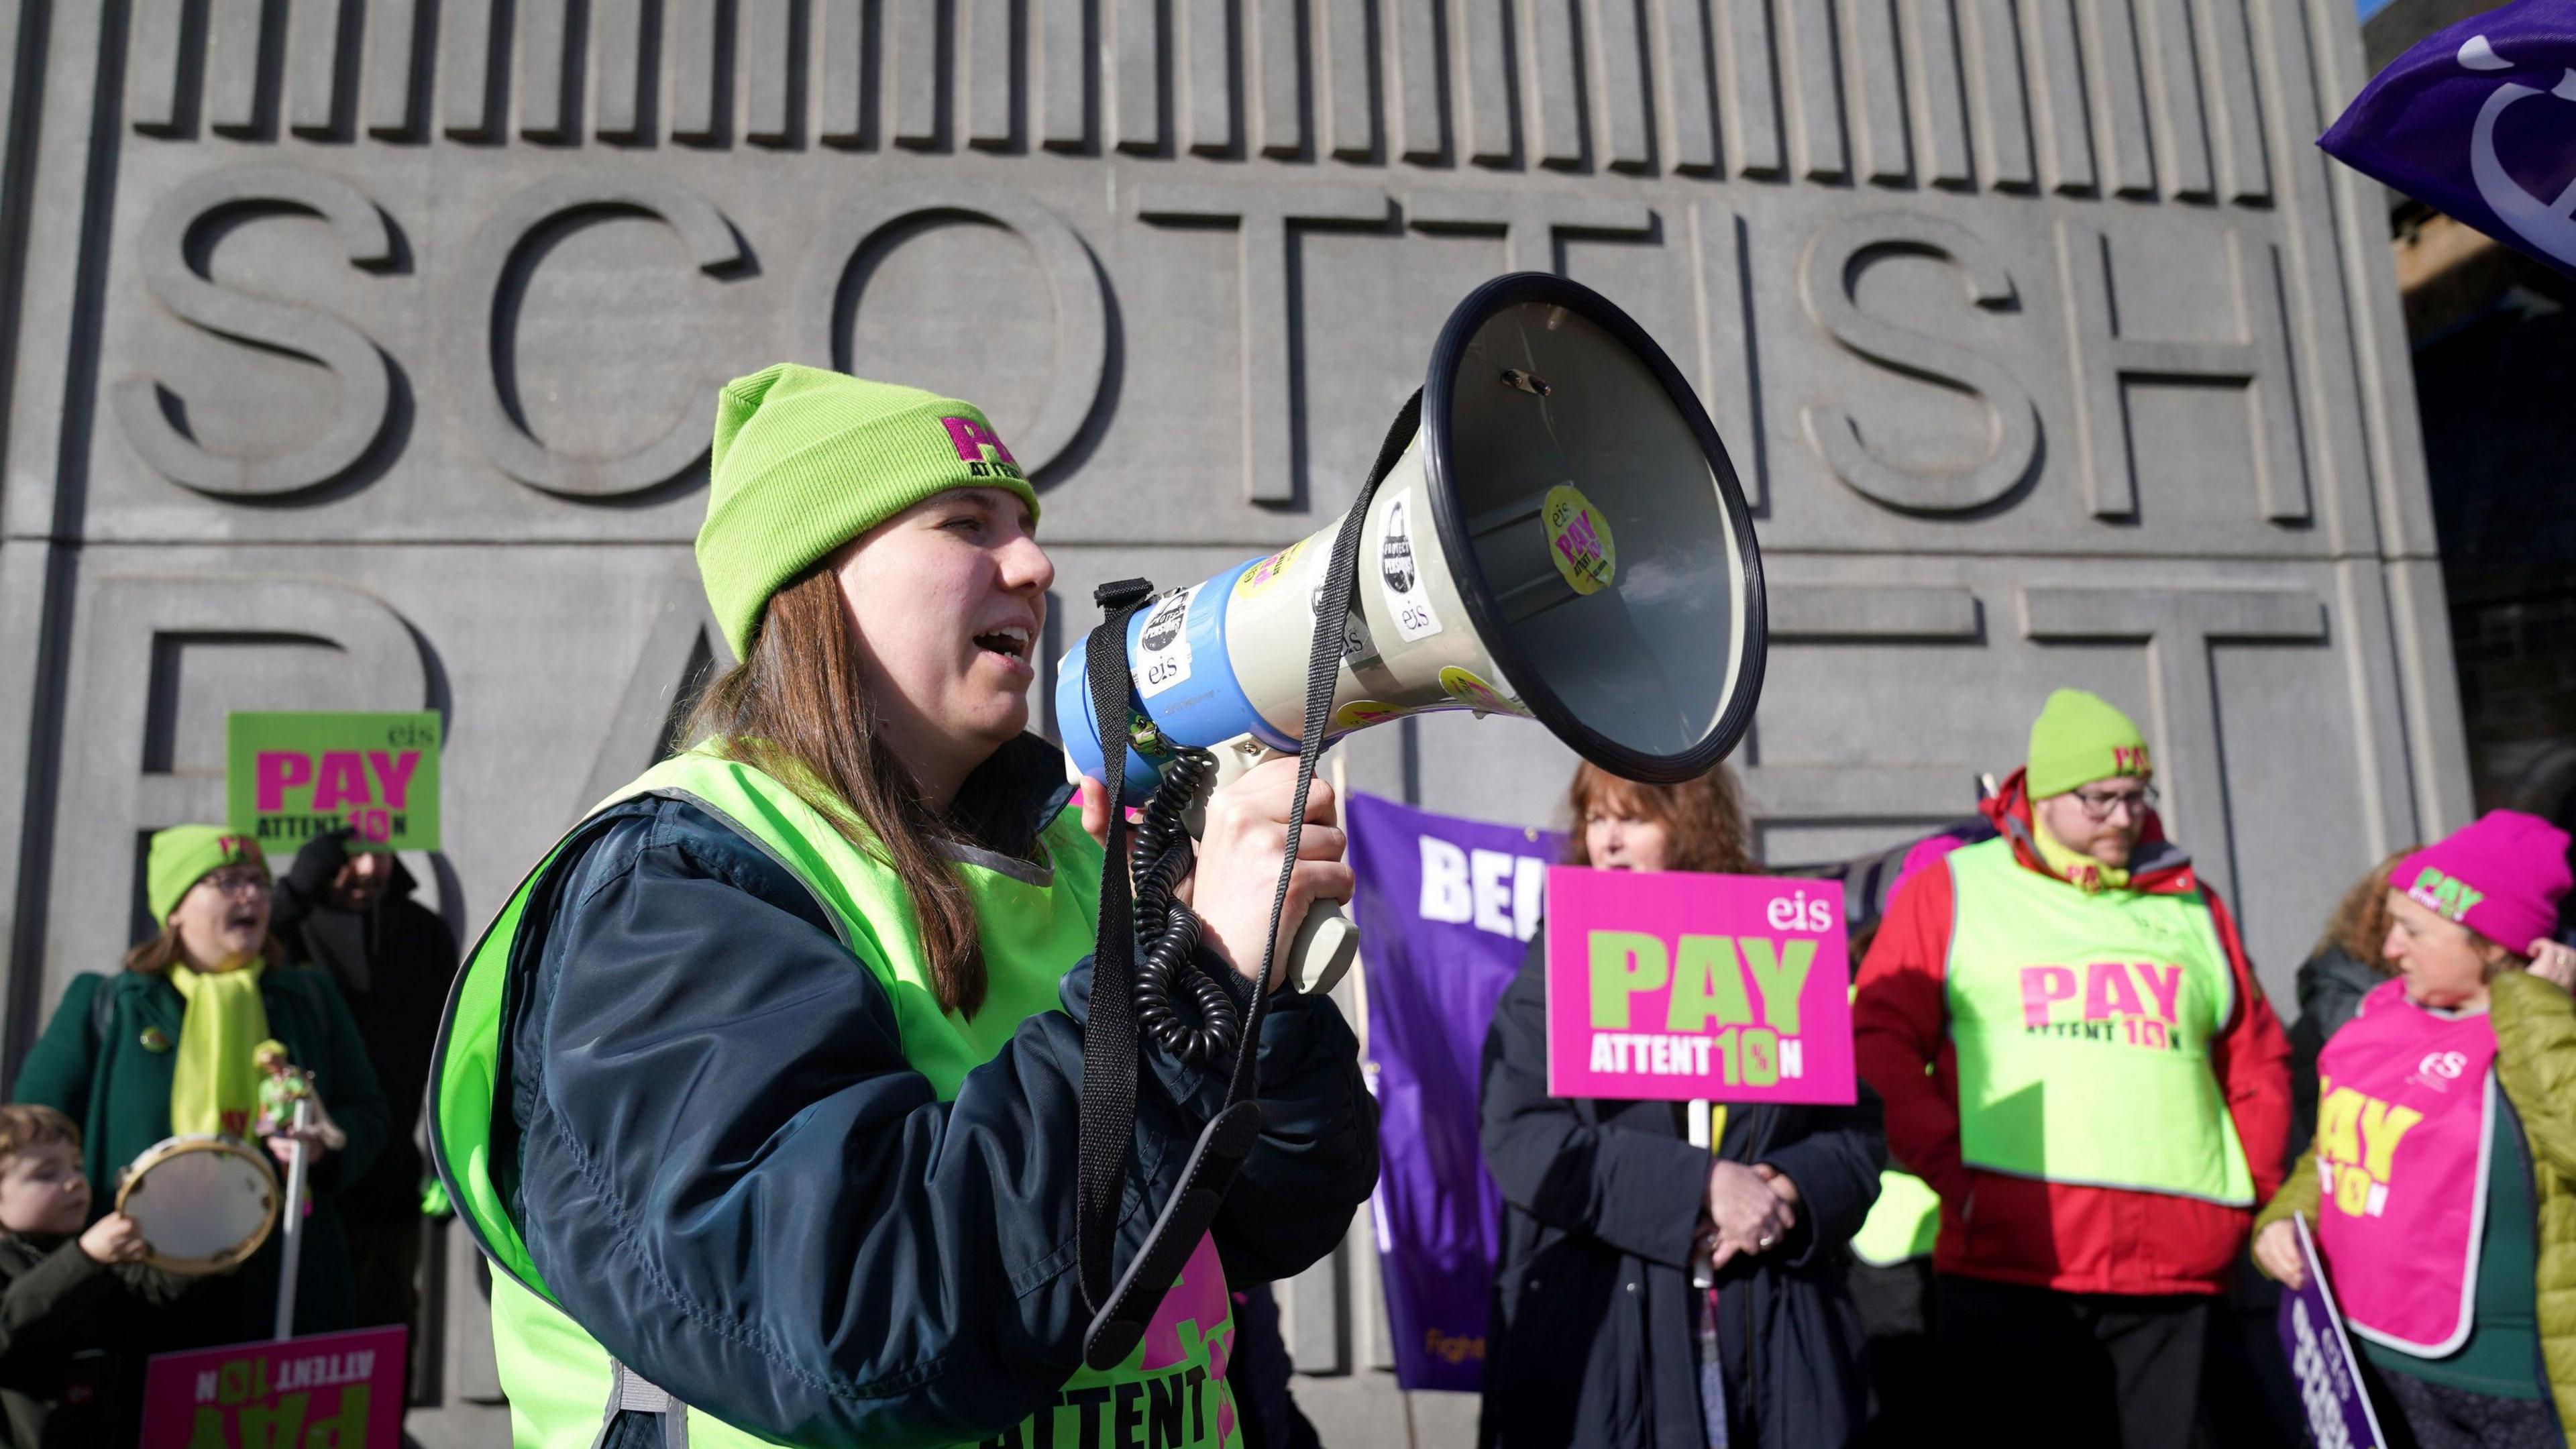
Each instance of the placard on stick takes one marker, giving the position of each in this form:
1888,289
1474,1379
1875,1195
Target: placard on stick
290,777
2321,1362
343,1389
1678,986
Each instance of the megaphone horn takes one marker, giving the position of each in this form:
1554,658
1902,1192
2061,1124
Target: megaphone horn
1565,539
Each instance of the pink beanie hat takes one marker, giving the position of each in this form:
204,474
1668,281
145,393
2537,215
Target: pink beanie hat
2501,877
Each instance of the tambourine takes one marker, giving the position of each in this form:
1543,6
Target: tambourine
204,1203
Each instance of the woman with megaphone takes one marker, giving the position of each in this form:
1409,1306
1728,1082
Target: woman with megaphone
761,1094
1665,1280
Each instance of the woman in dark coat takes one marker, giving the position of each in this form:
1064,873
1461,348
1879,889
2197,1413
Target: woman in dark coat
1598,1334
2343,969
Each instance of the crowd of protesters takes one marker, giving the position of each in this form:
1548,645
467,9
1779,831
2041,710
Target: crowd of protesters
2078,1114
332,970
2080,1124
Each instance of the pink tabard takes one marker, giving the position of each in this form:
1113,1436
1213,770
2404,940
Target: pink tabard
2406,1101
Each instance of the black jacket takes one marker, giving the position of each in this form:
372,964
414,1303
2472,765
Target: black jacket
730,1175
1594,1332
393,963
2331,986
68,1323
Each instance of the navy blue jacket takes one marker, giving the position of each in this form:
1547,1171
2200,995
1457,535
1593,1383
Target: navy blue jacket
727,1172
1594,1332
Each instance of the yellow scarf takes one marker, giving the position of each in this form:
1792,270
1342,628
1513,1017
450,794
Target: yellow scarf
214,1085
2073,866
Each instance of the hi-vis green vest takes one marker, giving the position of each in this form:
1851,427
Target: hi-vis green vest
2082,1026
1035,922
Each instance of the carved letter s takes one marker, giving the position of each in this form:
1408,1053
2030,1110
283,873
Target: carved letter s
1826,279
365,380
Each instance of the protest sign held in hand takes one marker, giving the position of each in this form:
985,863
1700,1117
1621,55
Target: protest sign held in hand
2331,1397
1680,986
344,1389
290,777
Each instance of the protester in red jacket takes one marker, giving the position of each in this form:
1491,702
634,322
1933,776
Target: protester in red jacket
2127,1094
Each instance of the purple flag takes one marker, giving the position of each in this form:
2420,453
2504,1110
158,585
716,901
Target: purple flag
2331,1397
2479,122
1445,908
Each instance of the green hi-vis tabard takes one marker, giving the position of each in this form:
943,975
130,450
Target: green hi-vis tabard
1035,922
2082,1024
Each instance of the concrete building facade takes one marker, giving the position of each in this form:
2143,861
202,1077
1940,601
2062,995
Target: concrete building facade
360,355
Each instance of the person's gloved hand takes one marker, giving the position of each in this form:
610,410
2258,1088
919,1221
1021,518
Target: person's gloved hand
318,862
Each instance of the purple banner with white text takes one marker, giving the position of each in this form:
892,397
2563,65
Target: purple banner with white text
2331,1397
1445,907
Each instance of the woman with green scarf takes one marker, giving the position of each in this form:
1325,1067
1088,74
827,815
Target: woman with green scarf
164,1049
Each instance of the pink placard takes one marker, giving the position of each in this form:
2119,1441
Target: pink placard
1677,986
344,1390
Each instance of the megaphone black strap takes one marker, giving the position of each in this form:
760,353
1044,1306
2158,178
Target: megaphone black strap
1109,1055
1323,664
1106,1117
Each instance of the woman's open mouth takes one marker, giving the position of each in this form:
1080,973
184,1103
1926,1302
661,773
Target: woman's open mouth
1011,644
242,920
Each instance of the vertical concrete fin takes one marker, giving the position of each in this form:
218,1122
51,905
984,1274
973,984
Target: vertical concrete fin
1755,145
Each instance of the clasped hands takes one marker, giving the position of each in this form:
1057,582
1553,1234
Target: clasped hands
1748,1210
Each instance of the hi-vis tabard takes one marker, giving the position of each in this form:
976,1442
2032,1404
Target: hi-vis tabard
2082,1025
2405,1115
1035,921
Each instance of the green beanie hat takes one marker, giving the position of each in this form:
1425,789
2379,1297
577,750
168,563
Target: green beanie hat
183,855
2079,738
806,460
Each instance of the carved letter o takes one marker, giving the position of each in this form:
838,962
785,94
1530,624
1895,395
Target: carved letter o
712,248
1081,314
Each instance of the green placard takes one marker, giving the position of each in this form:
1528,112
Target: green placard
290,777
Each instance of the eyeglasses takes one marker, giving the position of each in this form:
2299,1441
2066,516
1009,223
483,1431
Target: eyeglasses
2098,804
233,882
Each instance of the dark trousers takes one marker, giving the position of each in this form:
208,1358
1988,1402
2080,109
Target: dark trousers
384,1259
2025,1366
1905,1391
2420,1414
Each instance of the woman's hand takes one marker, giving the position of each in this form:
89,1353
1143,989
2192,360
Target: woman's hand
1095,809
2276,1252
1238,867
2554,963
115,1238
316,1138
1750,1216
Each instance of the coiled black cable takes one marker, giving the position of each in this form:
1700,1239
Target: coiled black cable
1181,1008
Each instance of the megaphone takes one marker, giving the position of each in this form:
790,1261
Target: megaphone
1565,539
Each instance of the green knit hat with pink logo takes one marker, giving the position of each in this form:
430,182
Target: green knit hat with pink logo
2501,877
806,460
2079,738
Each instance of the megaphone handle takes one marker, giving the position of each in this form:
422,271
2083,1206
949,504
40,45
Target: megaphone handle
1325,943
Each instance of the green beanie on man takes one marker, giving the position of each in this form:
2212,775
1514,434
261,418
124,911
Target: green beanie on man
2079,738
806,460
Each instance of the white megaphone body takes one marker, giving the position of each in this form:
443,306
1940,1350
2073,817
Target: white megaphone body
1565,539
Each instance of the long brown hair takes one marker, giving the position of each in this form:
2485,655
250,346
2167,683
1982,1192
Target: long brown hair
1703,817
797,712
2360,921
